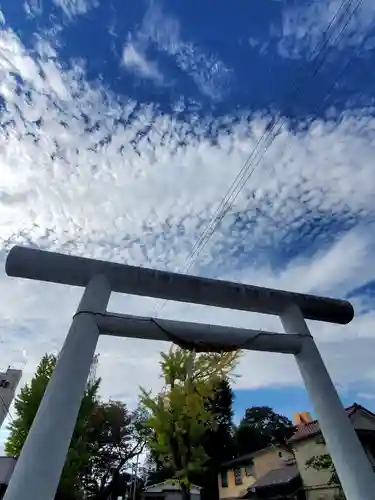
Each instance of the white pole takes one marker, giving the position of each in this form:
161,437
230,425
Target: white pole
38,469
135,478
352,465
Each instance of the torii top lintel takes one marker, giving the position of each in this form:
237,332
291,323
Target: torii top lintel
54,267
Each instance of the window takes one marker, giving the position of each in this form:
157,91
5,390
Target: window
4,384
224,478
248,471
238,476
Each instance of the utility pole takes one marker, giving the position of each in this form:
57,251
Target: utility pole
135,478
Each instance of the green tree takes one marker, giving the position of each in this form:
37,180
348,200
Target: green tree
218,442
116,437
26,407
179,416
260,427
324,462
156,471
81,447
105,438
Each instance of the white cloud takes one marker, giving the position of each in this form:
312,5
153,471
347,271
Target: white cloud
366,395
209,73
72,8
33,8
135,60
86,173
332,23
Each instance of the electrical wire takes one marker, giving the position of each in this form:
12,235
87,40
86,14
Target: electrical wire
246,171
333,85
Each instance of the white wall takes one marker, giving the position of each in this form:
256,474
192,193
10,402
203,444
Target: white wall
12,377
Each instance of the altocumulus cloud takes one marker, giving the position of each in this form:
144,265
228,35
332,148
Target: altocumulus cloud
333,23
72,8
86,173
162,31
134,59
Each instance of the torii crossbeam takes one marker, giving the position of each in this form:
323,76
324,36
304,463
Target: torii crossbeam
37,473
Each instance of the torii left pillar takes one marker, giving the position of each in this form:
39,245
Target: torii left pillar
37,472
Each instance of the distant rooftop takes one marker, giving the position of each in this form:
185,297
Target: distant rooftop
247,457
277,477
312,427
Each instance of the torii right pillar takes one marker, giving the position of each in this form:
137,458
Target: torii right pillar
353,468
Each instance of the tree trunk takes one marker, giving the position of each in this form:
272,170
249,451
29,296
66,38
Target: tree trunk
109,489
185,492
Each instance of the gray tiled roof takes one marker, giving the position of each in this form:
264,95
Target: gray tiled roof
244,459
277,477
310,429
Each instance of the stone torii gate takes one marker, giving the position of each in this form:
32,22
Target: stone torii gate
37,473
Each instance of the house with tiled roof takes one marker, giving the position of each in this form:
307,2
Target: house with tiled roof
263,472
307,442
276,472
240,476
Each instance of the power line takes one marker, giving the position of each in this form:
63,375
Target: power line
270,126
246,171
337,78
244,174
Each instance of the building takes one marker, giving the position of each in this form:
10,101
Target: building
7,465
282,473
240,475
284,483
9,381
308,442
168,491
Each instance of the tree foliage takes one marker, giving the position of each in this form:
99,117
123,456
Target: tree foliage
26,406
116,437
179,416
105,438
324,462
155,471
260,427
218,441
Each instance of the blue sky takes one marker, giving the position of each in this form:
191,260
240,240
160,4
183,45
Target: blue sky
124,124
289,400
